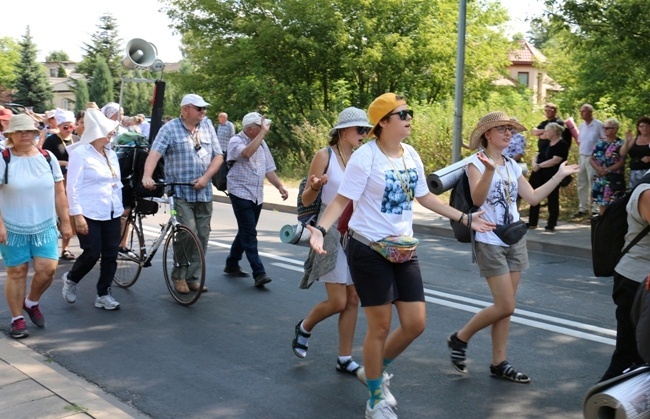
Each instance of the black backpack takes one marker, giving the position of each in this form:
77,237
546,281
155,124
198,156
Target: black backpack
220,179
6,155
461,199
608,235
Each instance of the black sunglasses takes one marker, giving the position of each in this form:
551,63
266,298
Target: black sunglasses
403,113
199,108
363,130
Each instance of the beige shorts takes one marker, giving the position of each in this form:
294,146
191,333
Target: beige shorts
494,260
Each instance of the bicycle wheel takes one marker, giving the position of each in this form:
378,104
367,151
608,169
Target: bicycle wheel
129,263
184,263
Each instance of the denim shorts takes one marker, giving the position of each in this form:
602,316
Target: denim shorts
17,255
495,260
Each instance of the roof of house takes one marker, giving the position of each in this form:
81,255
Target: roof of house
526,54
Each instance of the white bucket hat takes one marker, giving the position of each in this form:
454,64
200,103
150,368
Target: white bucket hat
350,117
97,125
61,116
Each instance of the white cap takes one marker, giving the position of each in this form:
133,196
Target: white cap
62,116
253,118
192,99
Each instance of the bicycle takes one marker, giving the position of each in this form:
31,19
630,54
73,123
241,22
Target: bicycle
183,256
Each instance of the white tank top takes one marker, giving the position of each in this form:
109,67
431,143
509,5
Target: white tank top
334,179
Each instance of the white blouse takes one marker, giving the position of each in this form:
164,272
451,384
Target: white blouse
94,187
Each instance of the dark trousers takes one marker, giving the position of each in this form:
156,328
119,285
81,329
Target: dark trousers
247,214
537,179
103,239
626,354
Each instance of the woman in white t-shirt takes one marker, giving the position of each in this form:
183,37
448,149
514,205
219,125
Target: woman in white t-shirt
382,178
325,176
495,181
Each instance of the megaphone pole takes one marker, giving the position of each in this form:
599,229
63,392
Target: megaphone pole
157,109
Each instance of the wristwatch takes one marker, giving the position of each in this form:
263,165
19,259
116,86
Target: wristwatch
322,230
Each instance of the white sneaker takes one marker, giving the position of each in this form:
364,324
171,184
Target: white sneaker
106,302
69,289
382,410
385,382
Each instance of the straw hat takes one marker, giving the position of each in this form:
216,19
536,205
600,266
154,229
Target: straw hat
97,125
350,117
491,120
21,122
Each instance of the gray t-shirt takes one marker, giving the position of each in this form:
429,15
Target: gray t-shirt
635,264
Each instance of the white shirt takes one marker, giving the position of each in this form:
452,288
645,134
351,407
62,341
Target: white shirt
94,187
589,136
334,179
381,205
495,202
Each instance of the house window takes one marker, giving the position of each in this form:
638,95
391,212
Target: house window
53,72
523,78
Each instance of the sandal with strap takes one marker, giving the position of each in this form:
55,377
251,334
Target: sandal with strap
67,255
506,371
298,347
343,367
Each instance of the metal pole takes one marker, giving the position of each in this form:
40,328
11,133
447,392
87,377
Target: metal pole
460,72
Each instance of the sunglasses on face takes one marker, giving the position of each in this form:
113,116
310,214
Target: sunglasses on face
403,114
503,128
68,127
609,127
363,130
199,108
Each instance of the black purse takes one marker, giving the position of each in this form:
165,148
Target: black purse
511,233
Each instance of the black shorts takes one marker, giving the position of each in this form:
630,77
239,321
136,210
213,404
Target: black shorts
378,281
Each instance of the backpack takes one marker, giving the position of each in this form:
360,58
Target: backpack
6,155
220,179
308,214
131,158
461,199
608,235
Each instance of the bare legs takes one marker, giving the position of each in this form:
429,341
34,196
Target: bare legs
504,290
379,344
15,287
341,299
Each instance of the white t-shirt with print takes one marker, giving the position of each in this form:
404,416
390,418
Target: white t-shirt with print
495,202
382,207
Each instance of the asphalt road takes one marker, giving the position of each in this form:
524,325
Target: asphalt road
229,355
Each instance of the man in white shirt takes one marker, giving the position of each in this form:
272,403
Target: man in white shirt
591,130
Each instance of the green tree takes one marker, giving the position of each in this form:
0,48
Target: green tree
9,57
61,72
59,56
608,43
106,43
101,83
81,95
32,84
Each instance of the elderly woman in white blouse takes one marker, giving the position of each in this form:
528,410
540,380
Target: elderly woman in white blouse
95,200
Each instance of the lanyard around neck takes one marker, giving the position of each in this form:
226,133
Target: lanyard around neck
404,186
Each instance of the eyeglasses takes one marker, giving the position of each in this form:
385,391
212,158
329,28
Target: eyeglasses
549,110
403,113
200,108
68,127
363,130
609,127
504,128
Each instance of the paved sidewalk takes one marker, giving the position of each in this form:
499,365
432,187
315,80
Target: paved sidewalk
30,386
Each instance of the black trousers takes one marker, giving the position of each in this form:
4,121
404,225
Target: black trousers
626,354
537,179
103,239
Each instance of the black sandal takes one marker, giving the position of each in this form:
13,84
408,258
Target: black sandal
296,345
343,367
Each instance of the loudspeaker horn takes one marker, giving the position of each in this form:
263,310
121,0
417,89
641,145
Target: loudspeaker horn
139,54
